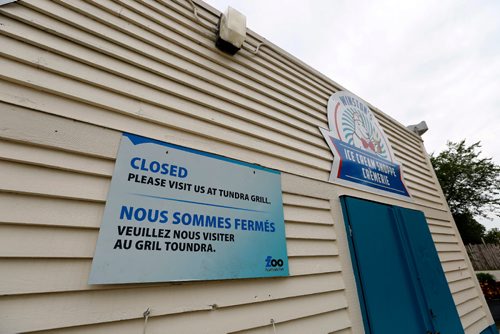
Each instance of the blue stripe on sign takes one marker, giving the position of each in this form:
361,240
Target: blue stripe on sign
136,140
198,203
375,185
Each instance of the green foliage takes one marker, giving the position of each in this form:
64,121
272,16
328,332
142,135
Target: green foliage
470,230
490,288
471,186
470,183
485,277
492,236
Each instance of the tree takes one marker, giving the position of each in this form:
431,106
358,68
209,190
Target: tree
492,236
471,231
471,186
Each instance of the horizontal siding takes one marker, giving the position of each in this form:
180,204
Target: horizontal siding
455,266
22,125
189,322
44,241
153,96
179,82
182,41
81,111
22,275
277,63
50,211
45,157
78,110
40,180
148,68
329,322
461,285
68,218
60,203
472,318
308,231
468,306
165,299
456,275
478,326
132,107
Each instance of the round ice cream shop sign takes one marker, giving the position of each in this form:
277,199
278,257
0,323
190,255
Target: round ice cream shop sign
363,157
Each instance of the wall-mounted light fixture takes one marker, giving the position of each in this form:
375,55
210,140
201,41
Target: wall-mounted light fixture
232,31
419,128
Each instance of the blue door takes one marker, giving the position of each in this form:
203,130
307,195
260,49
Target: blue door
400,280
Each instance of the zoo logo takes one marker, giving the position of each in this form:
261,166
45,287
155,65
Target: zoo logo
273,264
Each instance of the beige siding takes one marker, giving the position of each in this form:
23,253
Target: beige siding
49,229
74,74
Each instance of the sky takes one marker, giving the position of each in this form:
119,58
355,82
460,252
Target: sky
437,61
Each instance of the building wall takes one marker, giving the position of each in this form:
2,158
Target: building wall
74,75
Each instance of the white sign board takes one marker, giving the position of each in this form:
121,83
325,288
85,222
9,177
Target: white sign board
362,155
177,214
